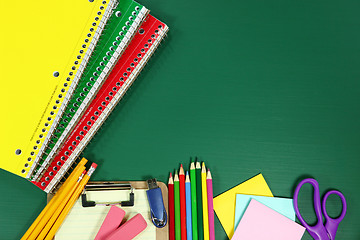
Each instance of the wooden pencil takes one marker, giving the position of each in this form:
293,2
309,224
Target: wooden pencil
209,186
171,216
177,207
70,203
199,202
60,208
205,202
188,206
193,201
182,202
50,208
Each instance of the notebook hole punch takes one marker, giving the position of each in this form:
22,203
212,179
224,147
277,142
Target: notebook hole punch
18,151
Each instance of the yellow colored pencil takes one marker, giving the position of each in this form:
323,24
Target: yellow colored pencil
205,203
60,193
70,203
58,211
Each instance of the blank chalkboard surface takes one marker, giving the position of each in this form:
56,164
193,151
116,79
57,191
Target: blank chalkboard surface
248,87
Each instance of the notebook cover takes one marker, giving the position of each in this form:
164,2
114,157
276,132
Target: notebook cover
124,22
39,47
136,55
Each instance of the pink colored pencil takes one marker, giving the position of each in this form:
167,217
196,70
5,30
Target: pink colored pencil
210,205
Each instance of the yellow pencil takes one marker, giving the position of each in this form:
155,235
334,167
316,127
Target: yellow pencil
70,203
205,203
60,193
60,208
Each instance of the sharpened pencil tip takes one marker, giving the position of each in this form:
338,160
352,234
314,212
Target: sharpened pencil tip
192,166
198,165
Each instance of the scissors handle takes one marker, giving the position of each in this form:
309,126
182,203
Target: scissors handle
332,224
318,231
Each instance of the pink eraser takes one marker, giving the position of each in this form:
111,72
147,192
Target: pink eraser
129,229
111,223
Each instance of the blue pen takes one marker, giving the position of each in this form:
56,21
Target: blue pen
188,206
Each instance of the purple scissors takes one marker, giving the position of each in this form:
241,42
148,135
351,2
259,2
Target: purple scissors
320,231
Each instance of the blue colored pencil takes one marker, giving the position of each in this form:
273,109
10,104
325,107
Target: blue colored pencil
188,207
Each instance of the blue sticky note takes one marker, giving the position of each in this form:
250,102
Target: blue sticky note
283,206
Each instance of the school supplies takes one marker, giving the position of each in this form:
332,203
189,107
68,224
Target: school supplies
204,214
224,204
156,203
171,208
124,22
209,188
47,223
177,207
85,222
205,202
112,221
199,202
320,231
50,208
261,222
284,206
188,207
193,201
130,229
182,203
134,58
52,54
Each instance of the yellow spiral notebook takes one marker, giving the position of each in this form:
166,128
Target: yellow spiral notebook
44,48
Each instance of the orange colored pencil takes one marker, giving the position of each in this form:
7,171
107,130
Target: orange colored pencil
182,202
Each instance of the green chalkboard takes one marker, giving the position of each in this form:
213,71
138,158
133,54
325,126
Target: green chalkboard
248,87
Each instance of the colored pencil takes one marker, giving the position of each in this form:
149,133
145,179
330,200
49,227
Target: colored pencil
35,229
71,203
209,186
188,206
193,201
177,207
205,203
171,216
199,202
182,202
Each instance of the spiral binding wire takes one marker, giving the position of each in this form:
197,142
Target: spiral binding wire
95,125
121,46
80,69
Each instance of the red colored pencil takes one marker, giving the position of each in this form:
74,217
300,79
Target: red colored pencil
171,209
182,203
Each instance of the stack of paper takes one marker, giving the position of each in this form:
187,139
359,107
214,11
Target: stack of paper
250,212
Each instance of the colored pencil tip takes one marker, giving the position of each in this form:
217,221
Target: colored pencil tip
181,171
171,175
209,174
192,166
187,178
171,179
198,165
203,169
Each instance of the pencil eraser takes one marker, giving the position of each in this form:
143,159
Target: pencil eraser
94,165
111,223
129,229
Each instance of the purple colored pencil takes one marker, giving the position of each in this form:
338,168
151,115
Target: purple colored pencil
210,205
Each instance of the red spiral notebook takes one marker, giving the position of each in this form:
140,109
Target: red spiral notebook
135,57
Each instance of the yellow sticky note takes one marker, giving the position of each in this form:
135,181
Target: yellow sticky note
224,204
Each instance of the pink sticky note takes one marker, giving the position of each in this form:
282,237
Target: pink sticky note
260,222
111,223
129,229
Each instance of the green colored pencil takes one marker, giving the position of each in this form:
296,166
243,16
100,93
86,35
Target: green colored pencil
199,202
177,206
193,201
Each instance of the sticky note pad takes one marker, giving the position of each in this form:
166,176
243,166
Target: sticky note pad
284,206
129,229
260,222
224,204
111,223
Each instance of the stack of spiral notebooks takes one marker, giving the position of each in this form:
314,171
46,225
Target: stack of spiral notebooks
62,75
